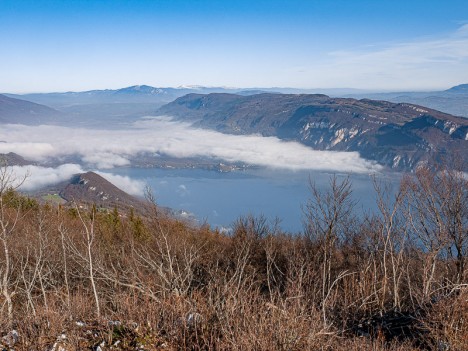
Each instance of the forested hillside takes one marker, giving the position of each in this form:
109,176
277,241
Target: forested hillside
74,279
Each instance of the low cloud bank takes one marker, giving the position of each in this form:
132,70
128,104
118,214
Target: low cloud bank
30,178
130,186
36,177
109,148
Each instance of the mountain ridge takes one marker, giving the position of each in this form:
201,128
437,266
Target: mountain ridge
453,100
461,88
18,111
13,159
397,135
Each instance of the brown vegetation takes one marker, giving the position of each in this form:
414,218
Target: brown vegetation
397,280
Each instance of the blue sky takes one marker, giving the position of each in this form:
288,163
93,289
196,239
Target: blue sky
380,44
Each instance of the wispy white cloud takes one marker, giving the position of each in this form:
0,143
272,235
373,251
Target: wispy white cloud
109,148
462,31
424,63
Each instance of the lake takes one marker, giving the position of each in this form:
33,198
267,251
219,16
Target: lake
220,198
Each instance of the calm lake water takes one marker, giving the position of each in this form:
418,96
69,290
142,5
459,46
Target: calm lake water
220,198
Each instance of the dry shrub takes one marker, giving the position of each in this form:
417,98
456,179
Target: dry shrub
447,322
163,283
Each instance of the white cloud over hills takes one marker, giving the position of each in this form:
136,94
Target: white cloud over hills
34,177
104,149
29,178
110,148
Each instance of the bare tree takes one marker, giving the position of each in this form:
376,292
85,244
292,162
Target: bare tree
437,211
63,239
9,217
328,216
393,236
89,235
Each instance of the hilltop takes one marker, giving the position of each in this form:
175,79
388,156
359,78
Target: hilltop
87,189
90,188
12,159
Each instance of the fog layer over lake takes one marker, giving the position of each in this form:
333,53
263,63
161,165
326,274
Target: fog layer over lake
108,148
278,187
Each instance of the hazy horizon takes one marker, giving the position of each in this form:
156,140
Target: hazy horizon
51,46
194,87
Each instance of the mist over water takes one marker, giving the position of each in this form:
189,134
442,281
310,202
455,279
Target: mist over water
108,148
277,188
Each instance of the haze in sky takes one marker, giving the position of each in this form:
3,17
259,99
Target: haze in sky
370,44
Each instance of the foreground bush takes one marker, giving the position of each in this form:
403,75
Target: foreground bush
77,280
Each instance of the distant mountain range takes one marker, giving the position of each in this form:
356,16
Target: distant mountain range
109,107
151,95
398,135
25,112
138,100
136,94
453,100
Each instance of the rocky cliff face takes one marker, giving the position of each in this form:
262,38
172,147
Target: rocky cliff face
398,135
